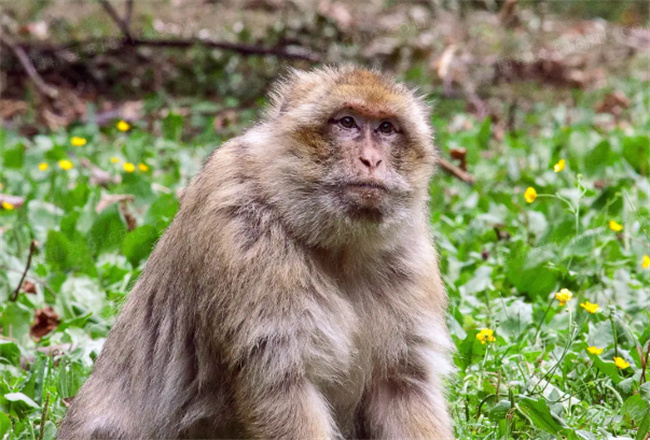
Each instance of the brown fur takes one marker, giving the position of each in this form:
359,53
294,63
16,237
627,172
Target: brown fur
269,311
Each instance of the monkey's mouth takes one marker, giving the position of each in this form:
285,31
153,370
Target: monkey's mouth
365,199
368,186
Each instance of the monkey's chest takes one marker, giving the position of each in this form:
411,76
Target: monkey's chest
344,386
345,364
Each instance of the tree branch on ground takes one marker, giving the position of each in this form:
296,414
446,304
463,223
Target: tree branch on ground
453,170
42,87
32,246
122,24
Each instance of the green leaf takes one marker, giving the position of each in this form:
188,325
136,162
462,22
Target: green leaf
541,415
469,348
13,157
58,250
9,354
500,410
63,254
21,399
599,158
15,321
33,387
80,295
71,376
162,211
644,428
607,367
138,243
172,126
635,408
49,431
5,424
636,150
483,137
529,272
107,231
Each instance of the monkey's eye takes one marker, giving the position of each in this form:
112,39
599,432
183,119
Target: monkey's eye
347,122
386,127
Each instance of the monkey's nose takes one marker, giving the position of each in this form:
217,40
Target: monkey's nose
370,163
370,158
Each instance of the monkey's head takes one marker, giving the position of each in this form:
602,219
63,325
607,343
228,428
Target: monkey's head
348,152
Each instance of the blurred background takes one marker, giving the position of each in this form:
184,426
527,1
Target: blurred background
542,217
65,60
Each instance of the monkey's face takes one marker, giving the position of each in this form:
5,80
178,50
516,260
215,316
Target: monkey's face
350,154
366,152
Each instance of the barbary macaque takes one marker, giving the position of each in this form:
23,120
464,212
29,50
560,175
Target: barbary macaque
297,293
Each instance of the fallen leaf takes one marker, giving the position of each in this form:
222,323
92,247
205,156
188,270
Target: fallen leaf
613,103
45,320
97,175
130,219
109,199
460,154
10,107
29,287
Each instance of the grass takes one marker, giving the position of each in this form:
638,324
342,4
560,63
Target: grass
503,260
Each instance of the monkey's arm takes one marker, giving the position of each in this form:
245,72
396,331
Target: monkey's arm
275,399
406,404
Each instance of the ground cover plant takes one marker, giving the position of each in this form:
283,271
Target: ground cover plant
543,231
545,258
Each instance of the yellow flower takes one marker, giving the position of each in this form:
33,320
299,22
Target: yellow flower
123,126
591,308
563,296
129,167
620,363
615,226
143,167
78,141
559,166
530,195
595,350
43,166
65,164
485,335
645,262
8,206
114,160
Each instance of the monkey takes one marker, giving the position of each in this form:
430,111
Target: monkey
297,292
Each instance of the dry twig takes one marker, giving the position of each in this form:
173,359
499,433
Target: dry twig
32,246
122,24
41,85
453,170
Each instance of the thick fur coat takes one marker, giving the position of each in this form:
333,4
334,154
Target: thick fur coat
269,310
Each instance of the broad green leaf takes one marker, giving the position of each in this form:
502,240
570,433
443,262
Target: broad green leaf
529,272
138,243
635,408
636,150
107,231
172,126
607,367
71,376
21,399
9,353
162,211
15,321
541,415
